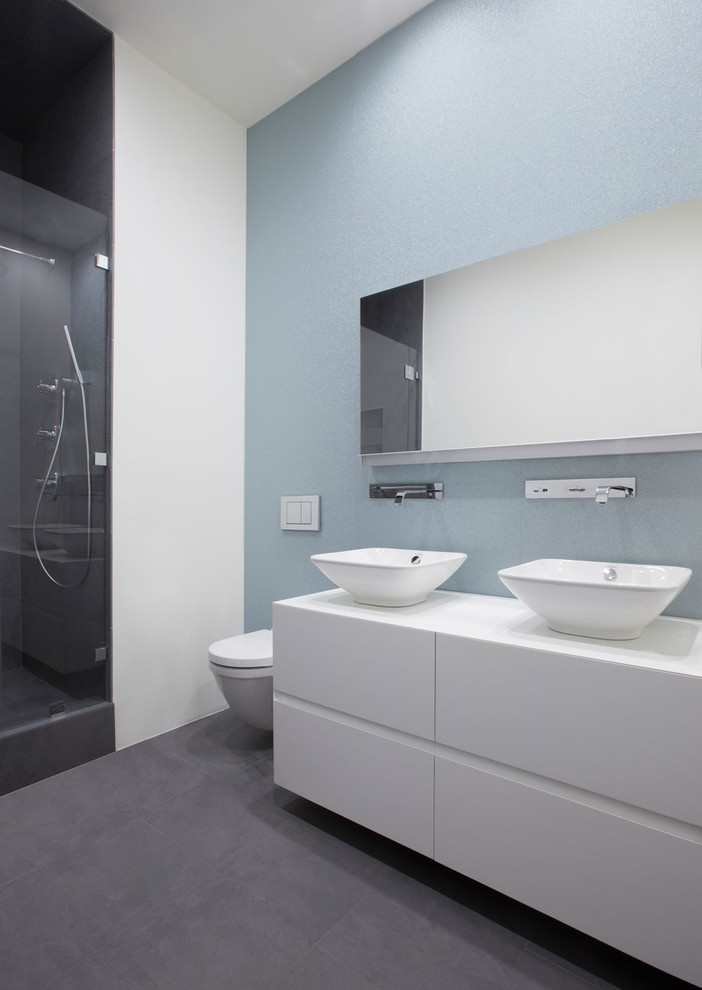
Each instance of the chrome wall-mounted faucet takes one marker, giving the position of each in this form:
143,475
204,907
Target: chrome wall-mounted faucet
429,489
47,435
58,385
46,388
601,489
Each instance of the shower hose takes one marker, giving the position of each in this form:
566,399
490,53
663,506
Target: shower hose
63,388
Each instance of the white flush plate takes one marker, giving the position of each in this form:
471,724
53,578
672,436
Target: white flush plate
299,512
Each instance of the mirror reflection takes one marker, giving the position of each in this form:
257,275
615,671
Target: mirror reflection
593,336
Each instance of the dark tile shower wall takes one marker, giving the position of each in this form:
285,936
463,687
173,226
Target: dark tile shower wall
56,132
10,156
44,45
69,150
10,582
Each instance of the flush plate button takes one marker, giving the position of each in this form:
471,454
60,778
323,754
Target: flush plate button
299,512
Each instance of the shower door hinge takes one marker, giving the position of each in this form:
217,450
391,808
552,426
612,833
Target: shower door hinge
102,261
100,654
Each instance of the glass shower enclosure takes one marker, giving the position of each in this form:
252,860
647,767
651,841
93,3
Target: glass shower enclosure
54,359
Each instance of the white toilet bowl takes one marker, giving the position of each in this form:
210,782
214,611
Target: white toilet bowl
243,669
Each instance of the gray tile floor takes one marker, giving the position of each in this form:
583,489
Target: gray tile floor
177,864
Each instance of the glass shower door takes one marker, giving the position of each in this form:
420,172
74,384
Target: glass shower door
53,443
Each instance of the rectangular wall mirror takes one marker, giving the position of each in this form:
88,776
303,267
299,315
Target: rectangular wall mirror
587,344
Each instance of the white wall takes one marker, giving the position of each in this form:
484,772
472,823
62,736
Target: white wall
178,447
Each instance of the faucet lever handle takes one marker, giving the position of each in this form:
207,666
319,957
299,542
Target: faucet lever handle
602,494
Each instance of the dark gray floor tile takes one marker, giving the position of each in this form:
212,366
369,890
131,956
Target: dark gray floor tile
218,744
18,850
51,918
35,961
244,927
406,936
53,813
302,880
129,877
139,777
319,971
118,970
63,812
219,816
198,944
105,971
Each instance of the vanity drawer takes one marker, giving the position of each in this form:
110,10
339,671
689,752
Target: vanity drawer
377,671
375,781
635,887
627,732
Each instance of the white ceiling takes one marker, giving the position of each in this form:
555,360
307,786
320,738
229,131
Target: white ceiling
248,57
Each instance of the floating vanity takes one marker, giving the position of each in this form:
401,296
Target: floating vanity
563,772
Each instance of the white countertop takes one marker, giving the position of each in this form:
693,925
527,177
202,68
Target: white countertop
668,644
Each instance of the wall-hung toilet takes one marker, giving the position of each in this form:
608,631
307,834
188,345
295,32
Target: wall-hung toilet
243,669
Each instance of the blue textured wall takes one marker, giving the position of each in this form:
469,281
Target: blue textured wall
476,128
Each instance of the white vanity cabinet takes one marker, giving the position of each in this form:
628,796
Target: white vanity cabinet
573,785
623,731
564,773
354,719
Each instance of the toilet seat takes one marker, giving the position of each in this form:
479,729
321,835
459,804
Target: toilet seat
250,651
242,666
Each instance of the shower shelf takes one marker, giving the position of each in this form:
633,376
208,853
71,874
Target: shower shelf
62,542
55,555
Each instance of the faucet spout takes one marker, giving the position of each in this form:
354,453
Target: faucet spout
399,491
602,493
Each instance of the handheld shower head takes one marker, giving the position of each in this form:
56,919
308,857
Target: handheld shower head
76,366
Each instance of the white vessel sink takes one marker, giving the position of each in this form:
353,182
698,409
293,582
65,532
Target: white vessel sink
594,598
383,576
